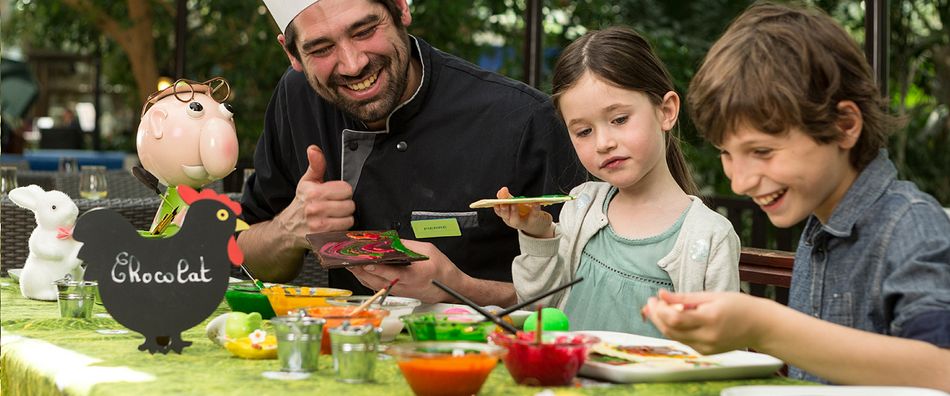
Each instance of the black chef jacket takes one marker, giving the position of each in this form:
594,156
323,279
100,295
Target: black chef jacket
464,134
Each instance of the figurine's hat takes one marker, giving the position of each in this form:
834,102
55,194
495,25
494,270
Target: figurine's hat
285,11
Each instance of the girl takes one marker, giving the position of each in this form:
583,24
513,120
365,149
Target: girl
641,228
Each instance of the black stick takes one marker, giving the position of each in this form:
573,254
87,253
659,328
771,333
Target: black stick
533,300
511,329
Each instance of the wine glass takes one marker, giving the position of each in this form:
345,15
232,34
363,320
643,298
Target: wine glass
7,179
92,182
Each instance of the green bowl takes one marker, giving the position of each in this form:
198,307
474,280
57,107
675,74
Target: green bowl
245,297
448,327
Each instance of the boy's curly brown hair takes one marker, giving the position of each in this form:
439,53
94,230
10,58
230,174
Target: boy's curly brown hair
777,67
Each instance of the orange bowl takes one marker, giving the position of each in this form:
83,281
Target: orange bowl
285,299
335,316
440,368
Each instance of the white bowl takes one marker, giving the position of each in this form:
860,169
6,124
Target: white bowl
397,307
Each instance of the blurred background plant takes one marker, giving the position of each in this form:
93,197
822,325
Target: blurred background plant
134,41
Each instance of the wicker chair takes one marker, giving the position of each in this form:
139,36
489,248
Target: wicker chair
16,224
312,274
45,180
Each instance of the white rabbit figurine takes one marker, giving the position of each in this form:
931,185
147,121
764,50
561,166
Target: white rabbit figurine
52,249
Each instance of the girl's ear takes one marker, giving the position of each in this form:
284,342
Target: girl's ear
669,110
850,122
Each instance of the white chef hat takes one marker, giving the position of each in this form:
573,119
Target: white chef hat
284,11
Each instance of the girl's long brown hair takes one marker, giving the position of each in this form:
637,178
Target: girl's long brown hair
620,56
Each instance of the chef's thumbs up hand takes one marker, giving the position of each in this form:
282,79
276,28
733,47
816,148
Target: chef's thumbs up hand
319,206
317,165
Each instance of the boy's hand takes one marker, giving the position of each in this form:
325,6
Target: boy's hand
528,218
709,322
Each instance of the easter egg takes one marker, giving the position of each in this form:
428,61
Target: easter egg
553,318
239,324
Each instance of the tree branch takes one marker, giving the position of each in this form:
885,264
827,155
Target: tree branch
169,8
108,24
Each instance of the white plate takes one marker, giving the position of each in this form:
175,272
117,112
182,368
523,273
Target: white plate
15,274
796,390
732,365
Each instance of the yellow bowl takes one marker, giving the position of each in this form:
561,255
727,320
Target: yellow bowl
286,299
242,348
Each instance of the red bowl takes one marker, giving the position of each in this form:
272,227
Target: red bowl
554,362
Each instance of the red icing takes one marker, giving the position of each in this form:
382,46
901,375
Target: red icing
547,364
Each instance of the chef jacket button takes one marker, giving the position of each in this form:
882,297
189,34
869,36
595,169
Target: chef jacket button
353,145
402,146
395,225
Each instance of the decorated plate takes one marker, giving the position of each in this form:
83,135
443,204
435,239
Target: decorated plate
628,358
543,200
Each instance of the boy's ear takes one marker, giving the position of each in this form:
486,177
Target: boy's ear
850,122
669,110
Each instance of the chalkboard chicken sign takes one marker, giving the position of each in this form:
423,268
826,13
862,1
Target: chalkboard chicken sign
160,287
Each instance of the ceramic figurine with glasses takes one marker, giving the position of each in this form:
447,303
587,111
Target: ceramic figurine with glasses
186,137
53,251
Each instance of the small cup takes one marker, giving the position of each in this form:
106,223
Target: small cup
397,307
298,342
354,352
76,298
7,179
336,316
92,182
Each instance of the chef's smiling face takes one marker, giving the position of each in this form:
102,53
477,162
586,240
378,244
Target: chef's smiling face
355,55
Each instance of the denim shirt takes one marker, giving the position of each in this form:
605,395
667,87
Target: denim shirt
881,263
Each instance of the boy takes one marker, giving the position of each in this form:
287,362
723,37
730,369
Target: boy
790,100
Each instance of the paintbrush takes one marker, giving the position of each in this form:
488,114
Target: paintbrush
535,299
165,221
388,289
367,303
257,282
539,327
504,325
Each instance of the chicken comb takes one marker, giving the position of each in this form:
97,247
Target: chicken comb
189,195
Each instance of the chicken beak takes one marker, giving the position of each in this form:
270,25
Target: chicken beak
240,225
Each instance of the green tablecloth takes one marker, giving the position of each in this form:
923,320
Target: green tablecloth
29,327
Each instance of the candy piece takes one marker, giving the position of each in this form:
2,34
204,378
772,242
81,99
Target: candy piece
553,319
457,310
